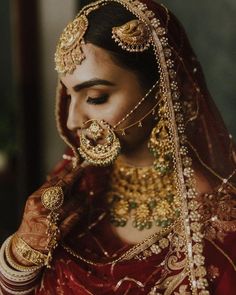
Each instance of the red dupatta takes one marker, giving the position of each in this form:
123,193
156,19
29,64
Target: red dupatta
197,256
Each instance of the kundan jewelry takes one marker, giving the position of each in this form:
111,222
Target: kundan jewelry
24,253
141,194
169,57
28,253
160,143
98,143
69,52
52,199
134,36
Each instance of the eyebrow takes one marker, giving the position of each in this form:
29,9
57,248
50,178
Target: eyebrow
92,82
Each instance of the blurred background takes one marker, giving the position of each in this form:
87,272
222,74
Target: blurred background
29,30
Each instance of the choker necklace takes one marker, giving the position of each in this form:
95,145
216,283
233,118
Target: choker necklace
140,194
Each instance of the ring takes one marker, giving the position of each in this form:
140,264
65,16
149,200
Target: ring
52,198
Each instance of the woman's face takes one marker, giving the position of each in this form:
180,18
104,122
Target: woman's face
102,90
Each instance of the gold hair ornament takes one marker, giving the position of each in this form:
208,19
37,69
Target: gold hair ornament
133,36
69,52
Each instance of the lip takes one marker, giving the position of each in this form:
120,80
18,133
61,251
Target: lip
78,133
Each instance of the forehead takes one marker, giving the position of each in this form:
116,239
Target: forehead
97,64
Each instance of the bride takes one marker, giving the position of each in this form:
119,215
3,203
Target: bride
143,201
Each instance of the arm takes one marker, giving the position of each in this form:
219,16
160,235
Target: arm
19,272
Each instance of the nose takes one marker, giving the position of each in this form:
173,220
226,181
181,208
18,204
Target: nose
76,115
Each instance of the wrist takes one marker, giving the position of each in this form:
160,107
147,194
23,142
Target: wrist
24,254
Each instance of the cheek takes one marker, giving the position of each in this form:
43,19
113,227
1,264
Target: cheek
121,107
112,111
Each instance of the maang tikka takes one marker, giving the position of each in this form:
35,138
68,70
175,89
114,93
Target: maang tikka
69,52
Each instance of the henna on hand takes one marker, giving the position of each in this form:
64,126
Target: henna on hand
34,225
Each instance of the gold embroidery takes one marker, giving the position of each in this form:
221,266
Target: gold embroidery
213,272
155,248
182,291
69,50
224,254
218,211
175,270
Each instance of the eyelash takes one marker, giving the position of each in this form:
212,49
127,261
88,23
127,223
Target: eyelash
97,100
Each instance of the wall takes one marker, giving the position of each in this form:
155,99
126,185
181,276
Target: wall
54,17
211,27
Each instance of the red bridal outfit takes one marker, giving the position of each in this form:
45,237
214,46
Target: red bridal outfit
196,253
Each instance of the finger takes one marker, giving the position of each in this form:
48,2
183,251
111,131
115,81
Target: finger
65,184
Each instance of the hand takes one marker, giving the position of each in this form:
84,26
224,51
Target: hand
34,226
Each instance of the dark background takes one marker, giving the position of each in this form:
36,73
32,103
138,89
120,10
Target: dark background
29,144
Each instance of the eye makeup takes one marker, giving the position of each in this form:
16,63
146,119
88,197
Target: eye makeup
98,100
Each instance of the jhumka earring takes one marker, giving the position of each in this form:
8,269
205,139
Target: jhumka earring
98,143
160,144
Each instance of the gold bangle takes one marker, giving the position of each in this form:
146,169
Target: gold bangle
13,263
26,252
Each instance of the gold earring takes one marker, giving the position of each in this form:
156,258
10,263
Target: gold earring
99,144
160,143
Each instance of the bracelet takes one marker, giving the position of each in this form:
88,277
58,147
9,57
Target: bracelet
13,281
52,199
28,253
10,273
13,263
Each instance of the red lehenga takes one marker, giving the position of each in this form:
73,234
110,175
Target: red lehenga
196,254
93,260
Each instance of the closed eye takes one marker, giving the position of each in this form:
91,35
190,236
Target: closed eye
97,100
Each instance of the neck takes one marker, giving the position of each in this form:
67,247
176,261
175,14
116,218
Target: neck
139,157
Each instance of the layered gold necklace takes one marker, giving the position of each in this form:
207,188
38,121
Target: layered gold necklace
140,194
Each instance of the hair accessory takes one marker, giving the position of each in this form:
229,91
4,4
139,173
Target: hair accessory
52,199
69,52
13,279
98,143
133,36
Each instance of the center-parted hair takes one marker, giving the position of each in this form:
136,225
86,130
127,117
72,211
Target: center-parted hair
99,33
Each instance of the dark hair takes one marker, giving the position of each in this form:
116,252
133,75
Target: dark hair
99,33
